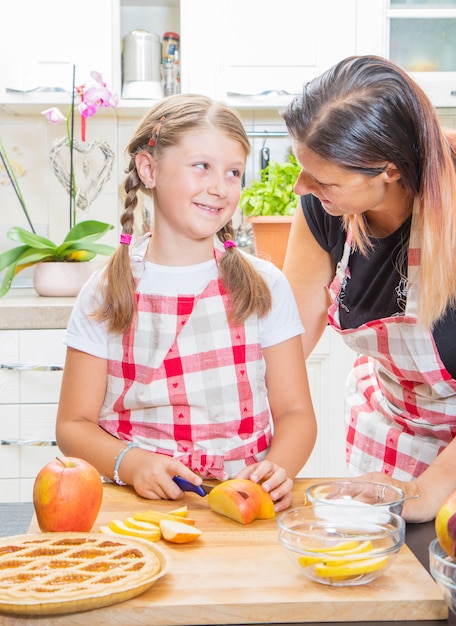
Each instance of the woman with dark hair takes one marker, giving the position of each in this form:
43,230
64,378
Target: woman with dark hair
372,252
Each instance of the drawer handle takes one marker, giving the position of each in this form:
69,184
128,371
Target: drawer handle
30,368
27,442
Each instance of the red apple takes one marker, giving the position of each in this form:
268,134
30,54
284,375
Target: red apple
445,525
241,500
67,495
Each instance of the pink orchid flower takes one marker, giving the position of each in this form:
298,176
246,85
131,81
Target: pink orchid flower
96,96
92,98
54,115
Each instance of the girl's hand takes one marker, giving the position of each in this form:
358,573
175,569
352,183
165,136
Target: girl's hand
273,479
152,474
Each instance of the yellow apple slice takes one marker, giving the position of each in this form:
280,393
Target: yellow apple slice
350,568
182,511
131,522
117,526
178,532
343,545
155,517
340,550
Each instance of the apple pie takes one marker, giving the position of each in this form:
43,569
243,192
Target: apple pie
55,573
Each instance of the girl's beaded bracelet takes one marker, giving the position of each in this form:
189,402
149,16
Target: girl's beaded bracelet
119,460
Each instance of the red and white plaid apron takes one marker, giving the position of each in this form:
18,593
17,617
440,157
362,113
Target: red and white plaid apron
401,401
185,383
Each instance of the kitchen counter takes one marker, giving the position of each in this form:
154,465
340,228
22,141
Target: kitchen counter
237,575
25,309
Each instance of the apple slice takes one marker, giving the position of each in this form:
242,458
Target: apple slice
155,517
121,528
350,568
325,555
131,522
182,511
178,532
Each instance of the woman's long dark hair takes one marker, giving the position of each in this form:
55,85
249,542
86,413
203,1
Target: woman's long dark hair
364,111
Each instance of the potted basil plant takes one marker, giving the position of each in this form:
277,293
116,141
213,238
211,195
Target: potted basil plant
269,205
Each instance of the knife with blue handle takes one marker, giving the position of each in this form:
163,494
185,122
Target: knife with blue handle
185,485
202,490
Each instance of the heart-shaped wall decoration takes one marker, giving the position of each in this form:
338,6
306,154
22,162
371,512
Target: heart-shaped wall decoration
92,166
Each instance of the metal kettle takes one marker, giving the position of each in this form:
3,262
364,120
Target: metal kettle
141,57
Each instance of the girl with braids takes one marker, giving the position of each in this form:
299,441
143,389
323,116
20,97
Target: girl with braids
373,251
184,355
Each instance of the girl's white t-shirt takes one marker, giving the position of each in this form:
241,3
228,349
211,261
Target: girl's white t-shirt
91,336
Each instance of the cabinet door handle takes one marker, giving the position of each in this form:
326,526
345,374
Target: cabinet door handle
27,442
30,368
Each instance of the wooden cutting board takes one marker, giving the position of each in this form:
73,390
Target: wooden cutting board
238,574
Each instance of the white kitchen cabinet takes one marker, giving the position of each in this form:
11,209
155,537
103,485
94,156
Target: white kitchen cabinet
30,378
328,367
255,46
419,36
40,42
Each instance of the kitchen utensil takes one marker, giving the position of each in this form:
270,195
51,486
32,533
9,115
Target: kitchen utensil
141,65
265,156
443,570
349,493
202,490
339,550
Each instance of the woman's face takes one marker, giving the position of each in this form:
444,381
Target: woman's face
339,190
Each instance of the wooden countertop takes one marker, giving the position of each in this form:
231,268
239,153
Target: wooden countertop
25,309
238,574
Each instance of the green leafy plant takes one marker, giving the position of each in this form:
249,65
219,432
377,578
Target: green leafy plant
273,194
77,246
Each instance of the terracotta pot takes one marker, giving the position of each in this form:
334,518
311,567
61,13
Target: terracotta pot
270,236
61,279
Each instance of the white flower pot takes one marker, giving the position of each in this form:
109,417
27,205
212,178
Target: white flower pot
61,279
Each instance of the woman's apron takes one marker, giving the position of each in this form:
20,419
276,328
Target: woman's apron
401,401
186,383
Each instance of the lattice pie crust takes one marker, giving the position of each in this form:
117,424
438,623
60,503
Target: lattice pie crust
55,573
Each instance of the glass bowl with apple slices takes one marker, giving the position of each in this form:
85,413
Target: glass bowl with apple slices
443,570
339,550
370,497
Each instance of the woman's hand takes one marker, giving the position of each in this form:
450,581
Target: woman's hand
418,507
273,479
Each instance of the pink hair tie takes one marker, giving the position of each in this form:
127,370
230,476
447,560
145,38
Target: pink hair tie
126,239
229,243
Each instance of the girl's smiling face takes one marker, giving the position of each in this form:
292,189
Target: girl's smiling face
197,185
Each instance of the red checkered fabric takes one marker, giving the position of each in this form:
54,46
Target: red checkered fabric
185,382
401,400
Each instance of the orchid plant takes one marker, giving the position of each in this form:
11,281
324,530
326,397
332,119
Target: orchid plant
92,98
79,244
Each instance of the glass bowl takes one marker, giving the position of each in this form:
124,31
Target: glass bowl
363,494
443,570
340,552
